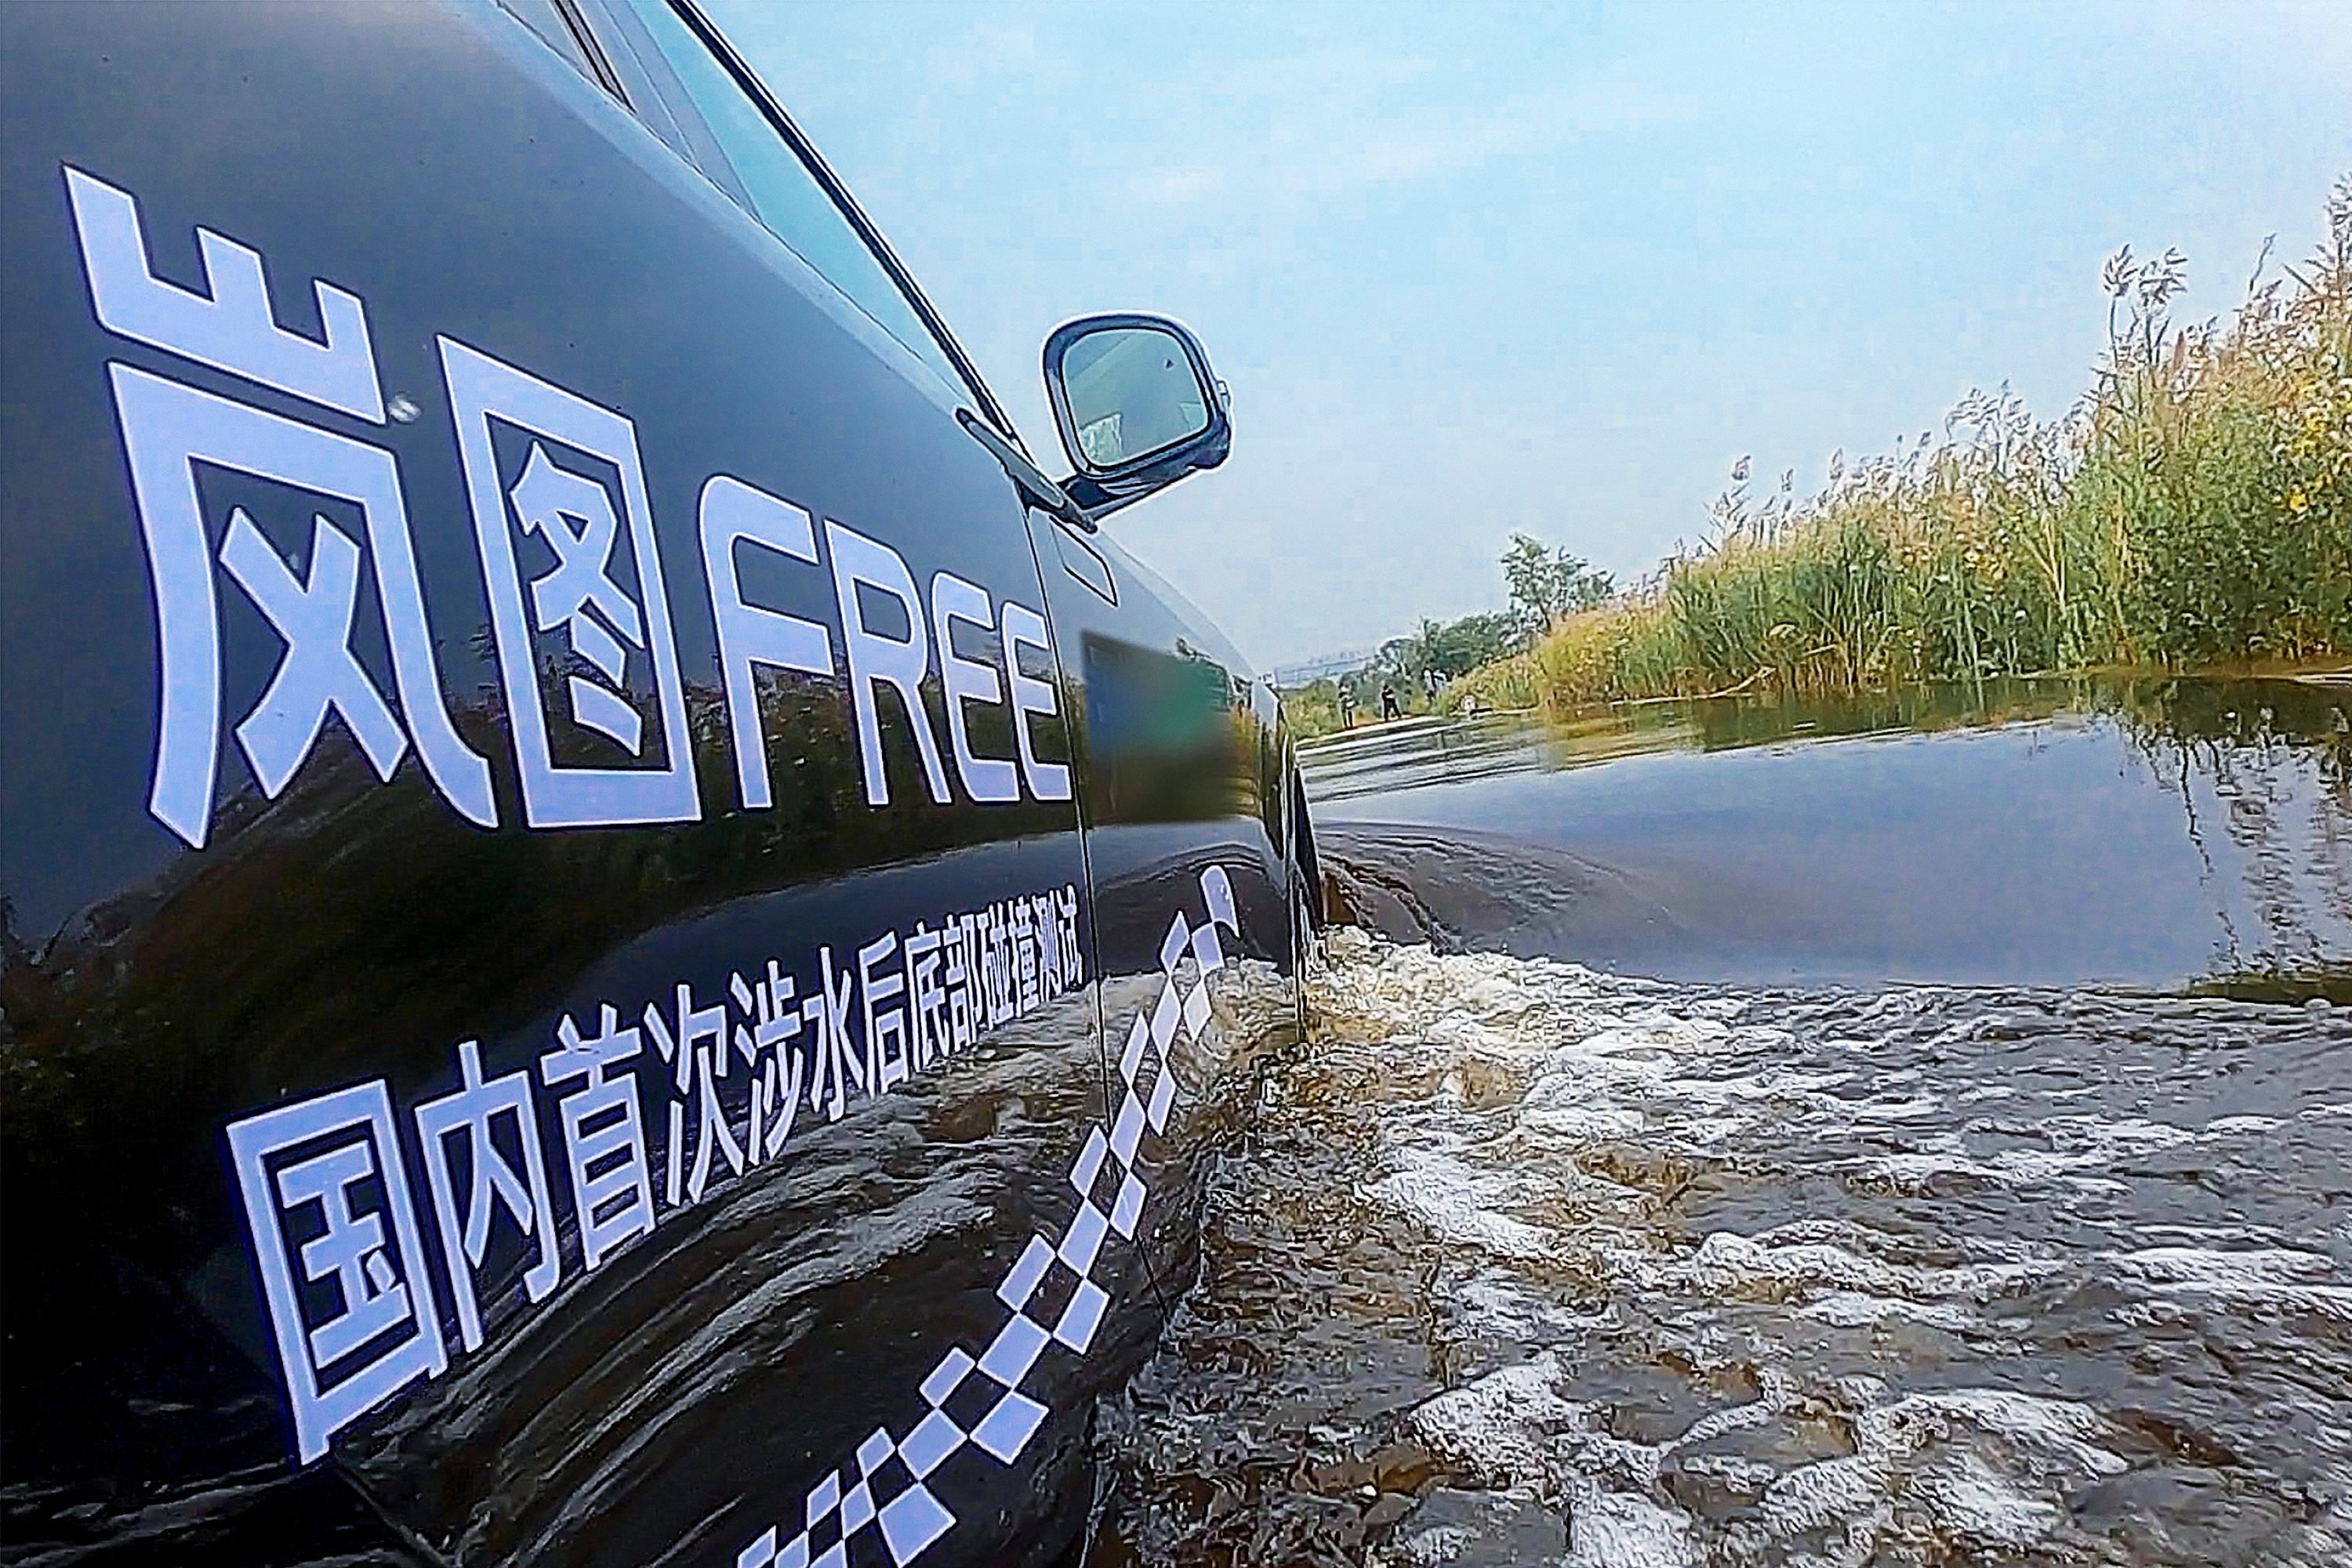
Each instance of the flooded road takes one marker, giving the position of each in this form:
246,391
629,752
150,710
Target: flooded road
1553,1247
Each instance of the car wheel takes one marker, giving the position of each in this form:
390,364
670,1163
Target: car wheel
1306,940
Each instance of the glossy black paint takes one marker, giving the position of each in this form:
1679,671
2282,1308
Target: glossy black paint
1183,766
464,180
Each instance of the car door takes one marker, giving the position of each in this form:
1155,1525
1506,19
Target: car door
1190,817
549,976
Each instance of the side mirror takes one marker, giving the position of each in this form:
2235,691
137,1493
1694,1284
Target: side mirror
1137,406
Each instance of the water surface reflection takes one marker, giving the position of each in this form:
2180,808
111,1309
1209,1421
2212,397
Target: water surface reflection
2023,833
1744,1155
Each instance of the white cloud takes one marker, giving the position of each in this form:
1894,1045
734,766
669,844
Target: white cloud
994,50
1180,187
1452,140
1322,147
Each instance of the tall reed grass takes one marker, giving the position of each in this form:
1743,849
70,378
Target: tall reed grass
2194,509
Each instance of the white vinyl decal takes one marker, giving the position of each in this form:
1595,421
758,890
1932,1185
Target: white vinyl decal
615,620
327,1200
1031,699
884,1486
370,1329
232,330
733,514
168,428
877,657
471,1115
565,538
969,680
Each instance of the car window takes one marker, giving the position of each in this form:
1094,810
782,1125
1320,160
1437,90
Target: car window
781,192
555,30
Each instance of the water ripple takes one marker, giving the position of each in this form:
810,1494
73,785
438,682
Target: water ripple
1520,1261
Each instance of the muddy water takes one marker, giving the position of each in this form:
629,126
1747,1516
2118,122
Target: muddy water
1527,1260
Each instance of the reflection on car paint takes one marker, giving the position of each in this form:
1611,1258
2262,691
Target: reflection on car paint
600,618
583,619
393,1176
889,1491
327,1200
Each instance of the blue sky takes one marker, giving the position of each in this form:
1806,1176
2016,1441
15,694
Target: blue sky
1472,269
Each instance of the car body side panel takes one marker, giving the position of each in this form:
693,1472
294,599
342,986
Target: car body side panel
243,1035
1184,776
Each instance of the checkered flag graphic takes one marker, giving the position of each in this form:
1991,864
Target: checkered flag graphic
910,1521
978,1402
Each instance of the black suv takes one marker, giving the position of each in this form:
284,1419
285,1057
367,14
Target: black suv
617,912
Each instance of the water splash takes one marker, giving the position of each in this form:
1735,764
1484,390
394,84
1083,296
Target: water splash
1520,1261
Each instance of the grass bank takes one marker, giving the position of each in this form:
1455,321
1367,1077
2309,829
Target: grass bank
2193,510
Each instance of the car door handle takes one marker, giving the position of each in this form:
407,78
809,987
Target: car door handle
1035,487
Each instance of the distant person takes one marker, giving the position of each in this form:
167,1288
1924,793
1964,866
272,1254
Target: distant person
1347,708
1389,709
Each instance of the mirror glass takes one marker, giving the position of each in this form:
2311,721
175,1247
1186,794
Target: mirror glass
1132,391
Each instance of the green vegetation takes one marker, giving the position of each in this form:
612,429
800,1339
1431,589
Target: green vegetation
2193,510
1545,585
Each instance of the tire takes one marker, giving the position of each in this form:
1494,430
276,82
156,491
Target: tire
1304,899
1306,939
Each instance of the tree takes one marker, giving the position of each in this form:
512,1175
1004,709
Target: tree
1442,649
1547,584
1460,647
